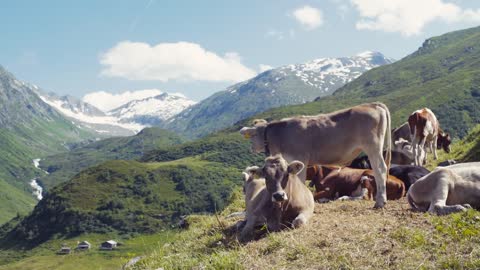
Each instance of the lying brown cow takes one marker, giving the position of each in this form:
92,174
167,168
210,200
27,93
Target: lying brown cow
284,202
395,186
425,131
330,139
354,184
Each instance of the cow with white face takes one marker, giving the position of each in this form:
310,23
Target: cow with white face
283,202
447,189
335,138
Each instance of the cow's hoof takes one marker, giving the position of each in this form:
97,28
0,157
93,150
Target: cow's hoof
298,222
379,205
245,237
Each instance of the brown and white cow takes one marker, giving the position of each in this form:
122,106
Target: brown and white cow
354,184
395,186
284,201
425,131
447,189
330,139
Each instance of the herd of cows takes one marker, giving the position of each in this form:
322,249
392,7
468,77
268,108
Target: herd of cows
325,148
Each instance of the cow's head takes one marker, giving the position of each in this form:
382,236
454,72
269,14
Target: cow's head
256,135
444,141
248,175
277,172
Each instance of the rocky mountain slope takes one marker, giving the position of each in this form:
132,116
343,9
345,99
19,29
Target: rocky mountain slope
29,128
291,84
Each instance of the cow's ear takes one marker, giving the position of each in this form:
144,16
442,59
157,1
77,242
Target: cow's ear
246,176
248,132
295,167
254,172
259,122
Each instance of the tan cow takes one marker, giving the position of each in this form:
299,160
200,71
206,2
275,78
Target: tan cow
284,201
447,189
253,188
425,131
330,139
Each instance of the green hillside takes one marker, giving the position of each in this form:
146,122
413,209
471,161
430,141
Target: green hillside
443,75
62,167
29,129
126,197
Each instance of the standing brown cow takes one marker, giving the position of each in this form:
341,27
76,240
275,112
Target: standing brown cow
425,131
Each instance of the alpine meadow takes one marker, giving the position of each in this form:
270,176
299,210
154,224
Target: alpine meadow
258,135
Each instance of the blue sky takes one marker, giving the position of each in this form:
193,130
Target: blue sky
200,47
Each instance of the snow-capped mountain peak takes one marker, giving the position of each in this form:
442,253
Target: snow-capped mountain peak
152,109
137,111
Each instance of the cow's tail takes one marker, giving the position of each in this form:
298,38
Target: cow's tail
388,155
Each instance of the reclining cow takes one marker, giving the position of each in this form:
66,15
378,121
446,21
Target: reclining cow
395,186
401,133
447,189
284,201
330,139
409,174
425,131
354,184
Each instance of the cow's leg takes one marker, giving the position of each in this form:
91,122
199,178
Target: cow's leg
434,143
439,199
415,150
248,228
300,220
380,172
423,151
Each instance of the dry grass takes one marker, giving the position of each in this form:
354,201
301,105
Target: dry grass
341,235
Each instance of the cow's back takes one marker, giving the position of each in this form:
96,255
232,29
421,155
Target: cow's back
343,182
308,136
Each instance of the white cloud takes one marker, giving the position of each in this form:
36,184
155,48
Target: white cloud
309,17
264,67
108,101
172,61
409,17
278,35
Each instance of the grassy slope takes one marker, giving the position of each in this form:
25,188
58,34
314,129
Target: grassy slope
442,75
64,166
465,150
341,235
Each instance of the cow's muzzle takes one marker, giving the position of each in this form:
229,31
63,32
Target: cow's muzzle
279,196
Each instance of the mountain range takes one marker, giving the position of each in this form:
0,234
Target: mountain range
291,84
127,119
287,85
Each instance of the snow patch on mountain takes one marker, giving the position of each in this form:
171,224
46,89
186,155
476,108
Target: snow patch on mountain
62,107
334,71
162,107
109,101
